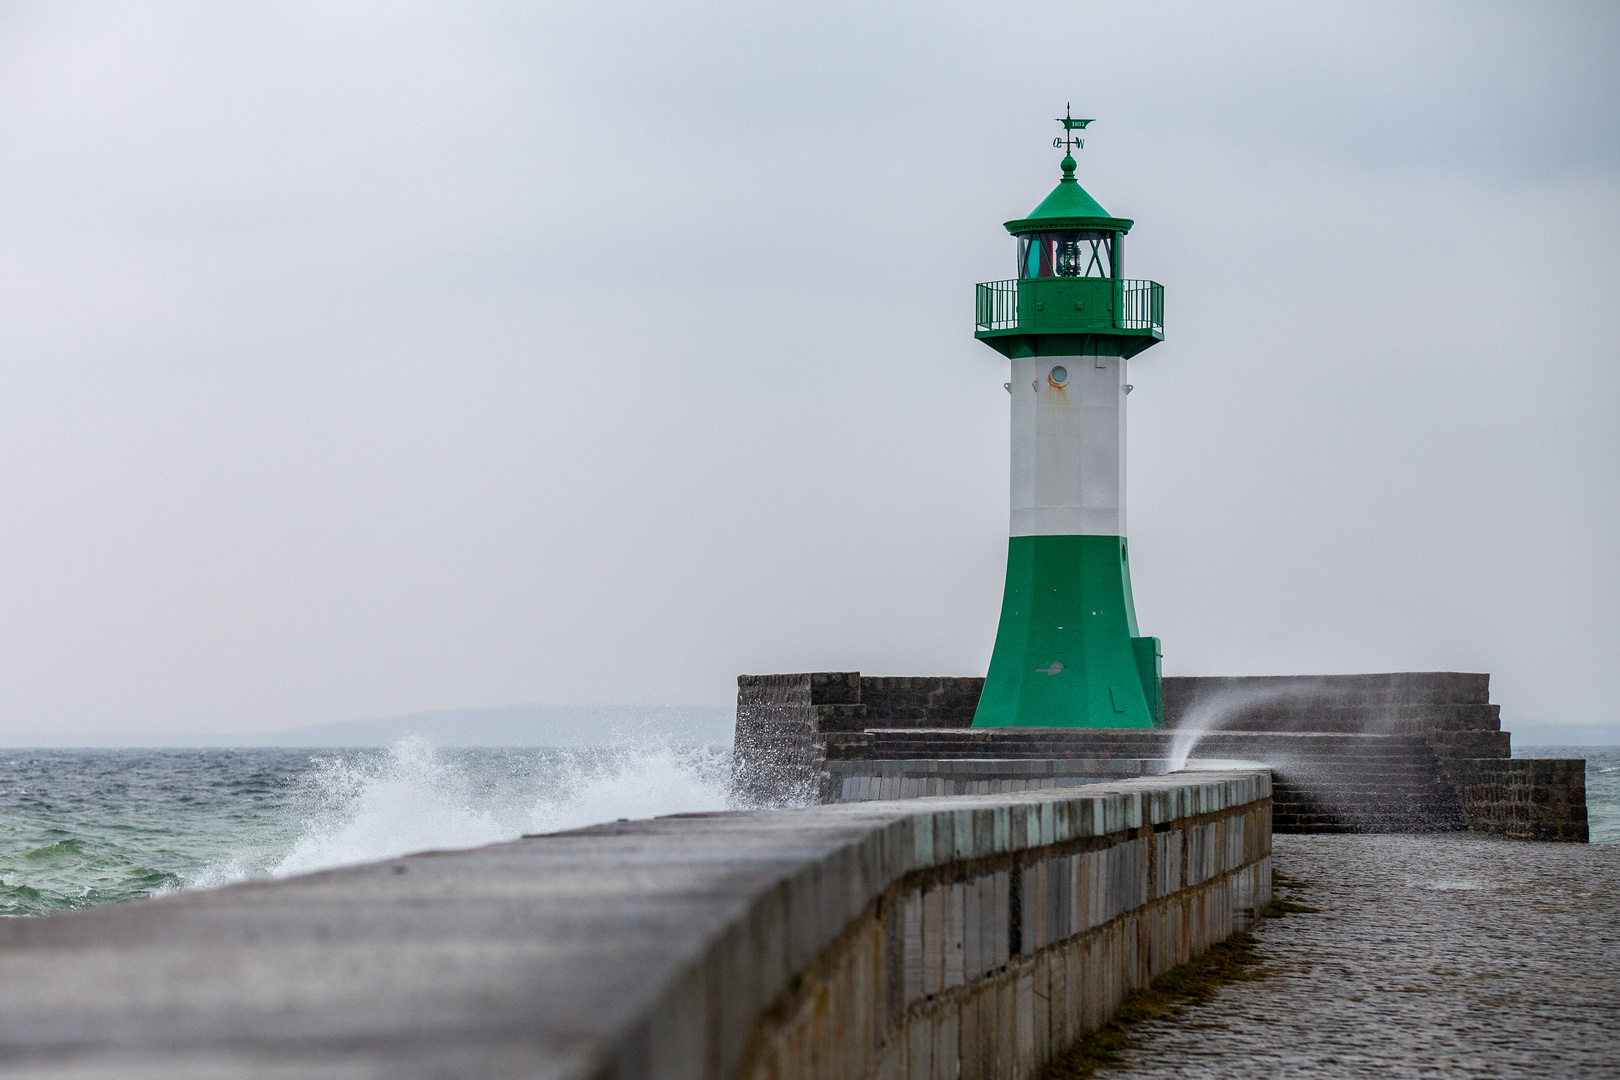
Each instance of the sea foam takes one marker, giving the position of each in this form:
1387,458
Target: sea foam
360,807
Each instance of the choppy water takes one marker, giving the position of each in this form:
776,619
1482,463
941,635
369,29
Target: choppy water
83,827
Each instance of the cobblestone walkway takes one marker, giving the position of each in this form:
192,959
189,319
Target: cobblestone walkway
1454,956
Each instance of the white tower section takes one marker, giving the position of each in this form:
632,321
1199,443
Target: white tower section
1068,446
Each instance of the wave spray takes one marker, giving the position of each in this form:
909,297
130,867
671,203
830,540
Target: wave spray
361,806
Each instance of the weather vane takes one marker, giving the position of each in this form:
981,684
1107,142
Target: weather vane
1067,141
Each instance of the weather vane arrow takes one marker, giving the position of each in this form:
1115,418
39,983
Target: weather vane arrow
1067,141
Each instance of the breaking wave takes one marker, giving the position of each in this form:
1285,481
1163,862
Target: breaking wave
416,797
85,827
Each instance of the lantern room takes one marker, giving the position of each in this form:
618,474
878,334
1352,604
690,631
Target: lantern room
1067,253
1071,294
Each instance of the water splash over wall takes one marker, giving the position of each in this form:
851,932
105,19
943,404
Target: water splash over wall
86,827
418,797
1214,712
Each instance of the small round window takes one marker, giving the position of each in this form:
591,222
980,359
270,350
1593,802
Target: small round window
1059,376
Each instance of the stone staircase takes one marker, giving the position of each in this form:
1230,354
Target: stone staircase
1340,783
1397,752
1321,782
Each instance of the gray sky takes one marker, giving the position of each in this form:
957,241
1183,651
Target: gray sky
367,359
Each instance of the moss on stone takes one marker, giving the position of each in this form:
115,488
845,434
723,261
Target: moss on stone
1192,983
1236,959
1286,905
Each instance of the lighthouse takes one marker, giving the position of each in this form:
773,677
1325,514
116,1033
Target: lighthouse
1068,652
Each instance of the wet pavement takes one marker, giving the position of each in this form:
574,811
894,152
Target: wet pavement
1447,955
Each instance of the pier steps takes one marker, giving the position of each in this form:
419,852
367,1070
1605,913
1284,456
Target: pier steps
1321,782
1395,752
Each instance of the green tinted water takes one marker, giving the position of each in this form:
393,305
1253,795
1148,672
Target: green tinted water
83,827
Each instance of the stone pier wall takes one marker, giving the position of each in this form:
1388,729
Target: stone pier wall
875,780
1525,798
1396,752
932,939
783,722
991,960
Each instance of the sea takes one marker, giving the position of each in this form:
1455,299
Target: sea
84,827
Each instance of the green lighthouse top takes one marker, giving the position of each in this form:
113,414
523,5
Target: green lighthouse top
1071,296
1069,206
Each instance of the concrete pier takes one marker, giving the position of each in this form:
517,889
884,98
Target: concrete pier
1437,956
970,937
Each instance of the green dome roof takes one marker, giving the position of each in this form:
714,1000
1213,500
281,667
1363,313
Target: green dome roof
1069,206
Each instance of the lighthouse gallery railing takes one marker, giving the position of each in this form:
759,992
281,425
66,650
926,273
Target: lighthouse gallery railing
1140,307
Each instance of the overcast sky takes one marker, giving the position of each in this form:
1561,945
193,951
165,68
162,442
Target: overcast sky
364,359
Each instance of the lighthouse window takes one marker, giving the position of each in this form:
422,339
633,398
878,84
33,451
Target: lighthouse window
1072,253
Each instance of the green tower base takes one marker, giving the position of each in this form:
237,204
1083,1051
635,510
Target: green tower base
1067,652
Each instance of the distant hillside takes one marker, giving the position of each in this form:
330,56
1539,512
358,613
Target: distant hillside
520,725
507,725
